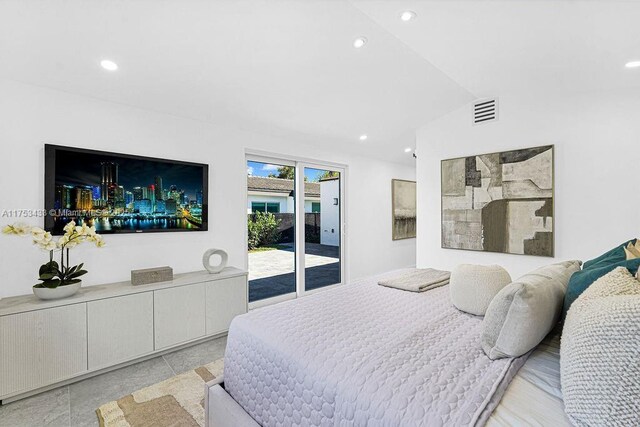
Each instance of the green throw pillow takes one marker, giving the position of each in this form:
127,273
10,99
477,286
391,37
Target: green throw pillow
581,280
614,255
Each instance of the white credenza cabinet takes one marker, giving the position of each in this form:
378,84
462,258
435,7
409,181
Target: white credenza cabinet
47,343
220,305
180,315
42,347
119,329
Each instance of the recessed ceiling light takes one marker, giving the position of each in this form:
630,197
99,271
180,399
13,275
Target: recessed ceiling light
109,65
363,137
632,64
407,150
408,15
359,42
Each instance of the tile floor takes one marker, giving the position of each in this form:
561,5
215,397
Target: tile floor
75,404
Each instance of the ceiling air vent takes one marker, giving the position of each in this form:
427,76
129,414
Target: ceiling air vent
485,110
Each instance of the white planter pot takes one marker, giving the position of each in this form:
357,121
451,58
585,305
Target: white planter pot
57,293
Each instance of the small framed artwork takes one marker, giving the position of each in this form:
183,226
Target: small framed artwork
499,202
403,206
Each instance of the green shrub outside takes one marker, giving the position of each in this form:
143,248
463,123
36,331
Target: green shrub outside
263,229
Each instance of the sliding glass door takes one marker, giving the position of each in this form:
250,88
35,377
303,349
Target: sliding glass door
294,228
271,230
322,255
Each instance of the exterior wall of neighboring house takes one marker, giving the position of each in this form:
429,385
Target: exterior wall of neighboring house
309,202
286,202
278,190
330,212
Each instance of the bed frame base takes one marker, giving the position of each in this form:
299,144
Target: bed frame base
221,410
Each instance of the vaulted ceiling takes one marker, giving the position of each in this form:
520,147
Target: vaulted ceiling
289,68
523,47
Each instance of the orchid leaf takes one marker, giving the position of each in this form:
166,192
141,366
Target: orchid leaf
50,283
77,274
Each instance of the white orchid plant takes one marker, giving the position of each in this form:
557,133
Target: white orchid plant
54,274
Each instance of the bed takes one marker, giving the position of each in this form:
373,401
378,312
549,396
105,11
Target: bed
534,397
367,355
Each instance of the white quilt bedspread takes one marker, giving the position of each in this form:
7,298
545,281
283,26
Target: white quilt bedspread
363,354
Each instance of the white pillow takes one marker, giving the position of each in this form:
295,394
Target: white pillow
524,312
600,353
472,287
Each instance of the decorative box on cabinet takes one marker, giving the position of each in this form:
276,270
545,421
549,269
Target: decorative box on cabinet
47,343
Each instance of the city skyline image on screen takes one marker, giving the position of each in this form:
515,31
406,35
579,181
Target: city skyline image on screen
123,193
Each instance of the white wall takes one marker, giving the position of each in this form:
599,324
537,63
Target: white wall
330,213
308,204
32,116
597,159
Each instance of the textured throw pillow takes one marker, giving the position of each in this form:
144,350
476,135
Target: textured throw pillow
524,312
472,287
583,279
600,353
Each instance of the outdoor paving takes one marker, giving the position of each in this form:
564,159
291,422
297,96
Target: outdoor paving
271,273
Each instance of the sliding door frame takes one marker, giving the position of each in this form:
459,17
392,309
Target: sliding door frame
300,163
279,161
300,217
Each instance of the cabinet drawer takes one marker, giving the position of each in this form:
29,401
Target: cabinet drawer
119,329
41,347
179,315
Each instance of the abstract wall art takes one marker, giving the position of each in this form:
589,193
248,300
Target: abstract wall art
403,201
499,202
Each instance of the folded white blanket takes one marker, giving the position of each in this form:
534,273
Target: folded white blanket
418,280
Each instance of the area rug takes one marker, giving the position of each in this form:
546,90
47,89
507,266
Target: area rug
178,401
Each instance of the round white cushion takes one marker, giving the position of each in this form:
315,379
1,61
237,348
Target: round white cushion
472,287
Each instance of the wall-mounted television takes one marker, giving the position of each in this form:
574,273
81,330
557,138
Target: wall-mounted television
122,193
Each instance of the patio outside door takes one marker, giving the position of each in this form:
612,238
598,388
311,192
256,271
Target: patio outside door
322,222
294,242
